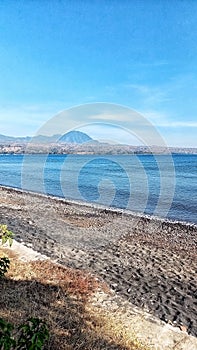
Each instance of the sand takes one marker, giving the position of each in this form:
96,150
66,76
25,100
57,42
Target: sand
147,261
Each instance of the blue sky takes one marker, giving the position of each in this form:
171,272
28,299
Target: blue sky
56,54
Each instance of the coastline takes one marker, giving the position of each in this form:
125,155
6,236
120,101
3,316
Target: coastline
102,207
149,261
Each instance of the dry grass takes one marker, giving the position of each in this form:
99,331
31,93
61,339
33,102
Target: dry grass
59,296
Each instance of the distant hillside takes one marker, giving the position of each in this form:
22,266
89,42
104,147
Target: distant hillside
76,137
77,142
37,139
6,139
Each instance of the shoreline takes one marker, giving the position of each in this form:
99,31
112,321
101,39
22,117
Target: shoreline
148,262
101,207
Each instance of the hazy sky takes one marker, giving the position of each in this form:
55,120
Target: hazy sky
57,54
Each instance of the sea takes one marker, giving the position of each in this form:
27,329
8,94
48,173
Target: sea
161,185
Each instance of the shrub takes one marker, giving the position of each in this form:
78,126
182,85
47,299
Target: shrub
32,335
6,235
6,340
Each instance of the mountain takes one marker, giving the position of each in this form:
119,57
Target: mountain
76,142
76,137
7,139
45,139
35,139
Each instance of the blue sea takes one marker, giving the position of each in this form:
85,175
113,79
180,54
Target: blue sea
162,185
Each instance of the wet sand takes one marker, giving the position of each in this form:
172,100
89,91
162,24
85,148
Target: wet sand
150,262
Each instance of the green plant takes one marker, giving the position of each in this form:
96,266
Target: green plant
33,335
4,266
6,340
6,235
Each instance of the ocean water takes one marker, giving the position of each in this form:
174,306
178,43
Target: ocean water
162,185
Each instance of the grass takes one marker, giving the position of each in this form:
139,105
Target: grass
60,296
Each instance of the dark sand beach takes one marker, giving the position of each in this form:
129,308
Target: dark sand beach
148,261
